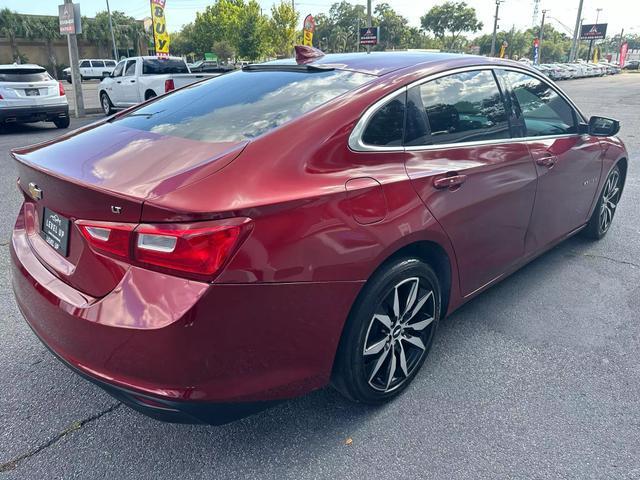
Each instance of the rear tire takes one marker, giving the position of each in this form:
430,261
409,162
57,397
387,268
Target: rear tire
149,95
63,122
605,209
389,332
105,102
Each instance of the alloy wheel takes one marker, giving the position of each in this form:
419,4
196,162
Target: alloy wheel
398,334
610,198
106,108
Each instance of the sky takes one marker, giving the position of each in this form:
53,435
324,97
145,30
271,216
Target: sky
519,13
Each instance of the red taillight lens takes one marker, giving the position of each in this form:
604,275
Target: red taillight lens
197,250
169,85
112,238
60,89
201,250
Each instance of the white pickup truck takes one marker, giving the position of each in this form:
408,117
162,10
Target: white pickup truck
138,79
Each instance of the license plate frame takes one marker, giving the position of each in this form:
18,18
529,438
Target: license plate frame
32,92
55,231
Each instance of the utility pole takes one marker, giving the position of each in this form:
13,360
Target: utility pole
598,10
544,13
495,29
576,33
113,37
369,21
74,59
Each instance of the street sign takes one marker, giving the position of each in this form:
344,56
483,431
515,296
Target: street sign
369,36
594,31
69,18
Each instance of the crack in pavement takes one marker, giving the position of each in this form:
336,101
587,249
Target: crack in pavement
13,463
622,262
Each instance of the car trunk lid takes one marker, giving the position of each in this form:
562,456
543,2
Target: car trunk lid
104,174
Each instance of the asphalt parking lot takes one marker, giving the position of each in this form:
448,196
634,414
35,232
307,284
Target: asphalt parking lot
539,377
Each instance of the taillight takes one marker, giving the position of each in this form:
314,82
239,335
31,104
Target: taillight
169,85
106,237
60,89
197,250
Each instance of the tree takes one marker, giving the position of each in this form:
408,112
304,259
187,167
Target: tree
449,20
283,28
47,29
12,26
394,32
253,26
219,21
224,50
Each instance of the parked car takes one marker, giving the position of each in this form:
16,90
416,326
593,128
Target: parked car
92,69
138,79
632,65
267,232
29,94
209,66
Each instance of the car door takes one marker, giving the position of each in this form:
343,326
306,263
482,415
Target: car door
126,85
477,182
568,163
85,69
114,82
97,67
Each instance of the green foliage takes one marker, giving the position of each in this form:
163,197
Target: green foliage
127,31
283,28
449,20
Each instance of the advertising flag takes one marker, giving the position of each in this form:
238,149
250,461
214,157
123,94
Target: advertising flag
160,34
623,54
308,28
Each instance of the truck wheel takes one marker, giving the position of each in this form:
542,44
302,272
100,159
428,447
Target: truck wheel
62,122
105,102
149,95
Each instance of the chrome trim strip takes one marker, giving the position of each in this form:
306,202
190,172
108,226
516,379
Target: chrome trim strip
355,139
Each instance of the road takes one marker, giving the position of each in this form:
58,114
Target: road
539,377
89,95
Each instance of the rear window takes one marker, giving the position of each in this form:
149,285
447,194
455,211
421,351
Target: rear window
24,75
157,66
241,105
97,63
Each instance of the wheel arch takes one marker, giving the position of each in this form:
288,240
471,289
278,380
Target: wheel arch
623,163
149,93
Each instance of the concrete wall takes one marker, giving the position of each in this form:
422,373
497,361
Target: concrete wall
36,51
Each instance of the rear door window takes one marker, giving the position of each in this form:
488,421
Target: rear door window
242,105
386,126
97,63
463,107
109,63
85,64
544,111
24,75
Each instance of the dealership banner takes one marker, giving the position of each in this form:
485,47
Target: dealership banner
69,18
309,26
160,34
369,36
624,48
595,31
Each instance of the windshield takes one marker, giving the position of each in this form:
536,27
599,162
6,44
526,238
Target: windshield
24,75
241,105
157,66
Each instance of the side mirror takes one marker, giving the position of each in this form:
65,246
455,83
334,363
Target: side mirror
603,127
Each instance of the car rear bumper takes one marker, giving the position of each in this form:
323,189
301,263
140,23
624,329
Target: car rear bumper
182,350
33,113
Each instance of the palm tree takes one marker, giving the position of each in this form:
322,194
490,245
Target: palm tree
47,29
12,26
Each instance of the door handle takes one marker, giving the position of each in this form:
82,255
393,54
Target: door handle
548,161
119,81
449,182
132,81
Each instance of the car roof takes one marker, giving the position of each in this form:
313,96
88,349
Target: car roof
18,66
382,63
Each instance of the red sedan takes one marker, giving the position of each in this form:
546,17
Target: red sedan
262,234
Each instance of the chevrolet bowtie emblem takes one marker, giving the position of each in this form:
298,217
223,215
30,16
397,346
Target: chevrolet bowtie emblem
35,192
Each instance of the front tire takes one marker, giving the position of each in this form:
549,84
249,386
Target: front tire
389,332
602,215
105,102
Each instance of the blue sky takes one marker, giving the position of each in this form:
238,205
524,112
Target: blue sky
518,13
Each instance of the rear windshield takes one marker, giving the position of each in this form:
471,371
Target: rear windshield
241,105
157,66
23,75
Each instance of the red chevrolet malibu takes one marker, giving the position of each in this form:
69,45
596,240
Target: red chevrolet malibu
295,224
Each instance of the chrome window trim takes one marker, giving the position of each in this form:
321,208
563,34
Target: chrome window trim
355,138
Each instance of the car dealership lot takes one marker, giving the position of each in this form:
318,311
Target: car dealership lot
538,377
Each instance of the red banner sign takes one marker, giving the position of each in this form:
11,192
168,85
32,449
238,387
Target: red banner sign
623,54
